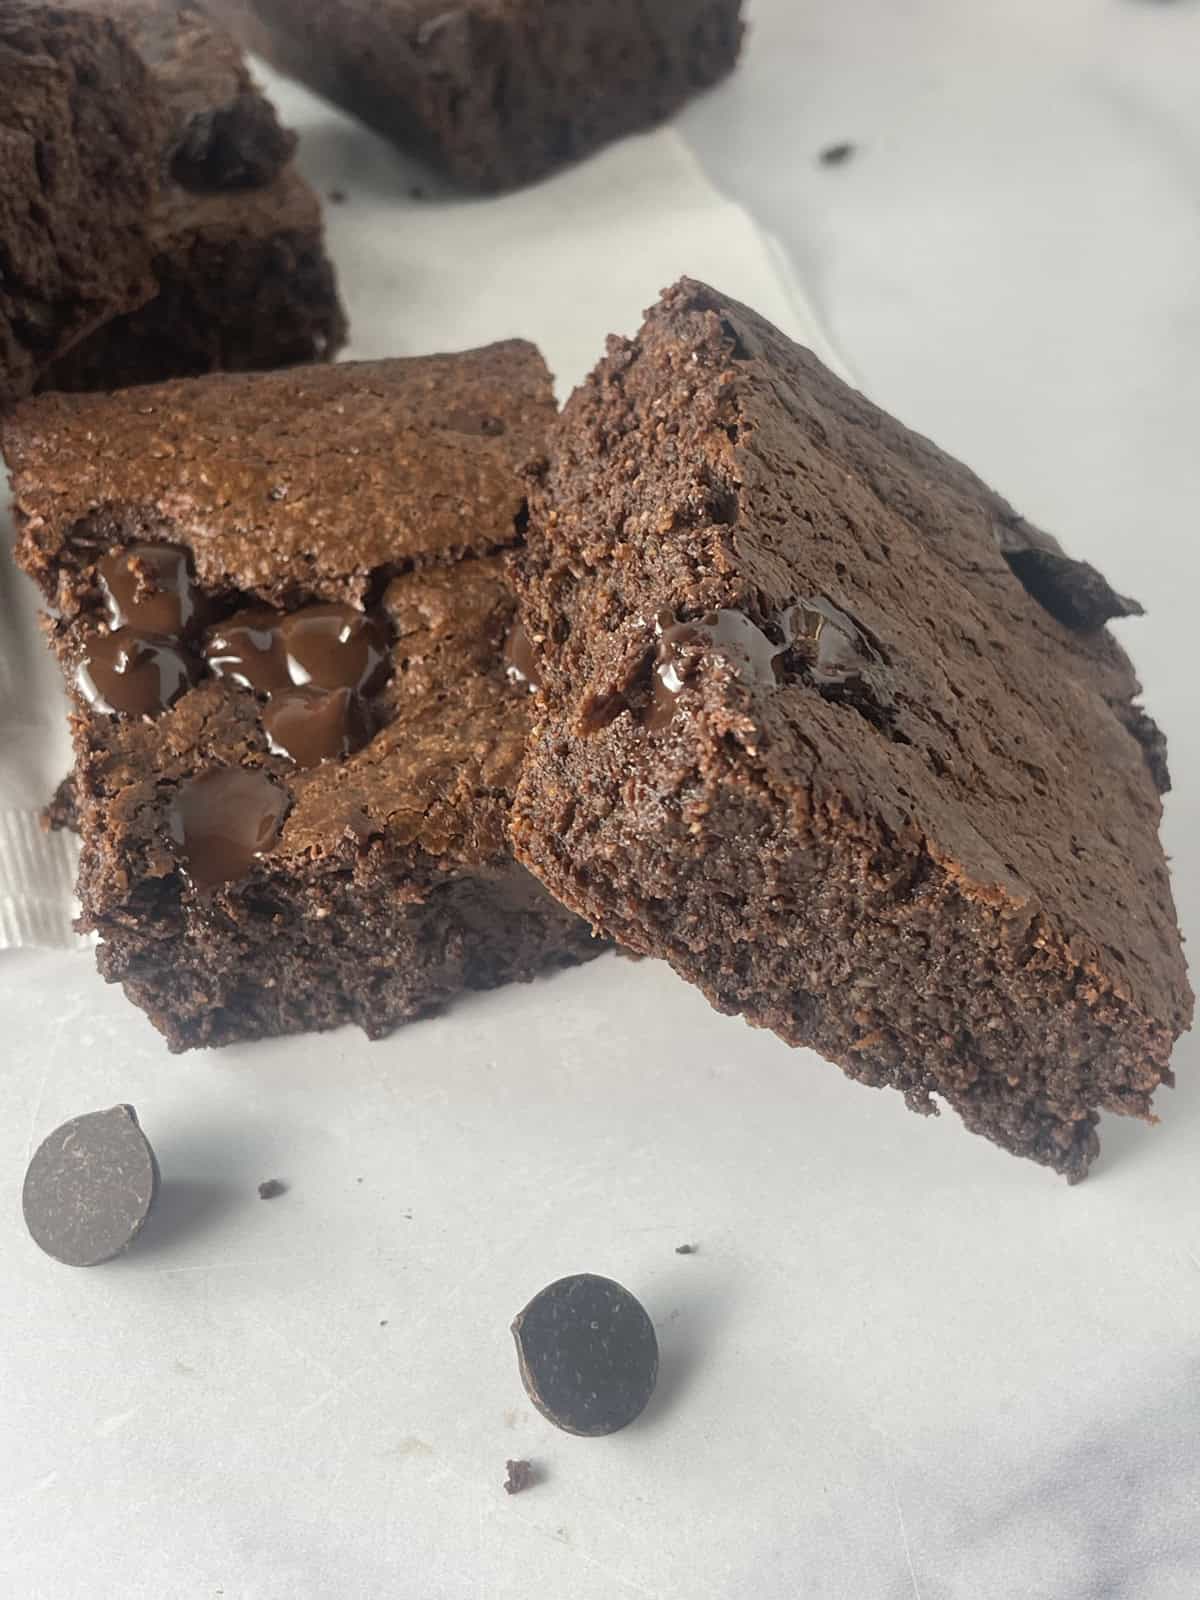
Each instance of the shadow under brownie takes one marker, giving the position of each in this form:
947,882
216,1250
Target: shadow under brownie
297,731
829,727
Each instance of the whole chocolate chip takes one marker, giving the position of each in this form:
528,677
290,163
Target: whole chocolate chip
588,1355
90,1187
133,673
223,821
149,586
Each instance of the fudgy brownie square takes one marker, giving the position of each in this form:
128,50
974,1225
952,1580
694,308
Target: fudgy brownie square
243,280
498,92
81,132
278,604
828,726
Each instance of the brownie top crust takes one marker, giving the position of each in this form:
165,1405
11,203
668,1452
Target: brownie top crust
739,566
315,483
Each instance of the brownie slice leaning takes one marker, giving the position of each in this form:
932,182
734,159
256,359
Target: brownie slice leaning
80,136
244,283
498,93
831,729
279,607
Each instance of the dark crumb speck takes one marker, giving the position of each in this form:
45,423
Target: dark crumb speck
416,192
686,1249
338,197
271,1189
383,1322
520,1476
836,155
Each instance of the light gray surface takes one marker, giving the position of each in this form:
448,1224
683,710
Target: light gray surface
902,1365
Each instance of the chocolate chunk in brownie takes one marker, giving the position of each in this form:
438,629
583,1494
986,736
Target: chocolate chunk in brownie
81,129
244,283
498,95
805,734
278,604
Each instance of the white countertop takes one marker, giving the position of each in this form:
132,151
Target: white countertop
901,1366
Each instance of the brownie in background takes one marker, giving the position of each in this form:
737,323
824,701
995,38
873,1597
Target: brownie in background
498,95
81,133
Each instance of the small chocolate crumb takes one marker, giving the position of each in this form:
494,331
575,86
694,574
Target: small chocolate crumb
338,197
271,1189
520,1476
686,1249
383,1322
836,155
416,192
90,1187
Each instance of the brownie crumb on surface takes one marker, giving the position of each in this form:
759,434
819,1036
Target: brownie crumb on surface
827,726
62,813
272,1188
686,1249
837,155
521,1476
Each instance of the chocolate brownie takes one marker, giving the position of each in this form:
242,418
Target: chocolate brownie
244,282
810,730
80,133
222,131
278,603
498,92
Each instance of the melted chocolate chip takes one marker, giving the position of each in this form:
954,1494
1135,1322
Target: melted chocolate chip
311,725
248,650
90,1187
335,647
327,646
833,646
225,820
133,673
519,660
681,645
588,1355
149,586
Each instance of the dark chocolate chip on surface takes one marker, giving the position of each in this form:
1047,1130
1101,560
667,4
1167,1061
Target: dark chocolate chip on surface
588,1355
521,1476
271,1188
90,1187
223,821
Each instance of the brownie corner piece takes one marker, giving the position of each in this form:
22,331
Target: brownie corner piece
806,734
281,609
499,95
80,134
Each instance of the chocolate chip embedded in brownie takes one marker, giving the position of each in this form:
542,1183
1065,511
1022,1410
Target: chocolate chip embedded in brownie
279,606
498,95
244,283
80,134
806,733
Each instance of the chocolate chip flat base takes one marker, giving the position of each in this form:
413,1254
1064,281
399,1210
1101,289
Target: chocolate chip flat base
828,726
